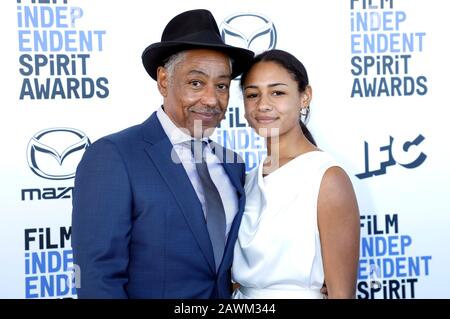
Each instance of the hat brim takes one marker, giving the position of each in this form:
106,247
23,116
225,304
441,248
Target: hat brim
155,55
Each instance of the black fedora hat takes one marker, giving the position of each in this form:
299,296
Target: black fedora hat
194,29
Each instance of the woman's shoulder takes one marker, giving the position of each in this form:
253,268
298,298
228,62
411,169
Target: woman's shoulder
320,156
336,186
315,162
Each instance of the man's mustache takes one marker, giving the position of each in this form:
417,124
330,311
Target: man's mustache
206,110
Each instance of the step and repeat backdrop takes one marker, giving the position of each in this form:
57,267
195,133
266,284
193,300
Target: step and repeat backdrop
71,73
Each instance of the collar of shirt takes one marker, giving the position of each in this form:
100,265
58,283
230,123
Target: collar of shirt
173,132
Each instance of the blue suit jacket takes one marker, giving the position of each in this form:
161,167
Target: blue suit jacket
138,228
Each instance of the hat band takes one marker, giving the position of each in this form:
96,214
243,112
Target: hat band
206,37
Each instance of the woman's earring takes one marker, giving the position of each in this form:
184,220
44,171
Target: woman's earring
304,114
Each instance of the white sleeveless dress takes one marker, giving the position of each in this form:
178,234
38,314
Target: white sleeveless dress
278,252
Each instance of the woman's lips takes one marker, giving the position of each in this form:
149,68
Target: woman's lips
265,119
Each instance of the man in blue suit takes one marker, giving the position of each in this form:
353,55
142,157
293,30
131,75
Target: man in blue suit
142,223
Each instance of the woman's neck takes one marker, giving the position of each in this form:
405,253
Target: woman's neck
283,148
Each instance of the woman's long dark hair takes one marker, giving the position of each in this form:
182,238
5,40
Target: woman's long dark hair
294,67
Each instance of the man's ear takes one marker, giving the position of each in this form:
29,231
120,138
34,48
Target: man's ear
162,80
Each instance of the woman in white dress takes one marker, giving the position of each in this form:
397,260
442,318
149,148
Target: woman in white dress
300,228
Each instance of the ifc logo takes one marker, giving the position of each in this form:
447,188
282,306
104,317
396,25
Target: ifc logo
55,153
252,31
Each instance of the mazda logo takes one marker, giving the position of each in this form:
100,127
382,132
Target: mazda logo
252,31
55,153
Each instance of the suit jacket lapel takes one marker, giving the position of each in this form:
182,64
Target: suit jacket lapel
160,149
229,160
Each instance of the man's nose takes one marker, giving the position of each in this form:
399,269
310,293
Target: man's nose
210,96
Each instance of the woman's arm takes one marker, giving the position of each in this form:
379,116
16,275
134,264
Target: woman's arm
339,225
